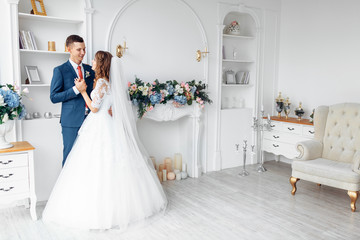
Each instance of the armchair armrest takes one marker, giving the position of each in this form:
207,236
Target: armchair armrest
309,150
356,162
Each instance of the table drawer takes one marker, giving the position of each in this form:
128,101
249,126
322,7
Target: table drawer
276,126
280,148
308,131
292,128
14,174
14,187
13,160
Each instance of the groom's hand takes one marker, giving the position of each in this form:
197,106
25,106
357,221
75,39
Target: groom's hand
80,84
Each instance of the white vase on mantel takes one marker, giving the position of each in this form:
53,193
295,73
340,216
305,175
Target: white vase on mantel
5,128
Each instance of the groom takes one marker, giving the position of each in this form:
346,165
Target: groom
65,89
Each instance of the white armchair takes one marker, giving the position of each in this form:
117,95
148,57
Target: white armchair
332,158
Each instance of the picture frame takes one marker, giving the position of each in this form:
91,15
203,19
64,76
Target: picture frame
33,74
35,4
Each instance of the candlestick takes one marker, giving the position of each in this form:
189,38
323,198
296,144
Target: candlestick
178,161
164,175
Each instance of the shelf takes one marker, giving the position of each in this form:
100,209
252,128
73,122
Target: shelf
237,85
47,18
235,109
43,52
238,61
238,36
36,85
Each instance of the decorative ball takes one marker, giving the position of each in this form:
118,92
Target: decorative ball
171,176
183,175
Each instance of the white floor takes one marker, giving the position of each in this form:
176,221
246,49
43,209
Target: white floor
223,205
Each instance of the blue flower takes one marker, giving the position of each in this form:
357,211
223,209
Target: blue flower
135,102
170,89
23,111
193,89
155,98
11,98
180,99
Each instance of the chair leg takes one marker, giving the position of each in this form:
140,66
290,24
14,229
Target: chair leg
353,197
293,181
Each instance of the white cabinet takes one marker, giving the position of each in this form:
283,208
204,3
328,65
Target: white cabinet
17,175
284,135
237,102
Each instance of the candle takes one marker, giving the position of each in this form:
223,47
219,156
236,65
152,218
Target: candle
160,176
178,161
168,167
184,167
171,176
164,175
269,117
153,161
161,167
262,107
167,160
178,176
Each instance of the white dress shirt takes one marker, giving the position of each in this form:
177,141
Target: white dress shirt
75,66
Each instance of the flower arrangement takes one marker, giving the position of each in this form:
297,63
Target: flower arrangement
10,103
145,95
233,28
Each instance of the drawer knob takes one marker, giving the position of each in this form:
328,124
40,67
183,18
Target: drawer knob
291,129
3,176
6,190
275,145
311,132
4,163
276,137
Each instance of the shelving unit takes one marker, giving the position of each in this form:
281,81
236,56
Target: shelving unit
45,134
237,103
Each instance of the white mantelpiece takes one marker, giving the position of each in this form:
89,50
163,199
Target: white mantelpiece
168,112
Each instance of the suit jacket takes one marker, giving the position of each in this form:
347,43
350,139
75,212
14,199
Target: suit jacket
61,90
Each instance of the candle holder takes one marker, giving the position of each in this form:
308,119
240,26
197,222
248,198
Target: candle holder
244,173
260,127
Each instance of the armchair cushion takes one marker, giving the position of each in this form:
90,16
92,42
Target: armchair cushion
309,150
324,168
356,164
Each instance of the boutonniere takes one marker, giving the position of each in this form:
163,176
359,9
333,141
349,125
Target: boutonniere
87,74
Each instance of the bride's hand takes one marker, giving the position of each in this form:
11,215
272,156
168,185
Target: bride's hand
80,85
110,111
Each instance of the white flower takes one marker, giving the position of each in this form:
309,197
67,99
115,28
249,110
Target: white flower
141,88
25,90
146,88
2,103
166,93
5,118
87,74
177,87
144,93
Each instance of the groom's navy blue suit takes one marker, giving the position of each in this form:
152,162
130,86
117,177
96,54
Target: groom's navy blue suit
73,106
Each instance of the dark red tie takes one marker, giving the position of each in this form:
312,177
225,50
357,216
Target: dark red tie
81,77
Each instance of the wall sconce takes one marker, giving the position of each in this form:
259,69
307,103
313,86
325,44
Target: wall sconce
120,50
200,54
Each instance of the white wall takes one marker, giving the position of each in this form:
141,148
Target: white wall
207,11
319,61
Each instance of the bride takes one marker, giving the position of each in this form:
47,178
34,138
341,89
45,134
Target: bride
108,180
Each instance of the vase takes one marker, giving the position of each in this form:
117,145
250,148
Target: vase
5,128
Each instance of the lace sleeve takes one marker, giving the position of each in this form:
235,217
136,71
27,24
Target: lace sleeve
97,95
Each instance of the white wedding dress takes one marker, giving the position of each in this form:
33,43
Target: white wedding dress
104,184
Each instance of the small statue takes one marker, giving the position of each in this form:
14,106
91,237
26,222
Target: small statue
299,112
312,116
279,104
287,108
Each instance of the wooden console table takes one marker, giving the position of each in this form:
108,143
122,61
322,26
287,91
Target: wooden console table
17,180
